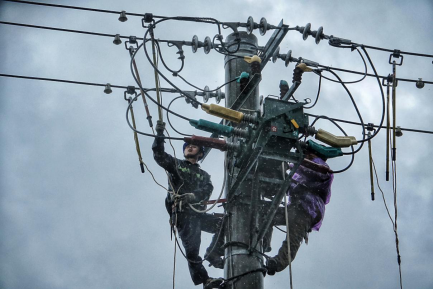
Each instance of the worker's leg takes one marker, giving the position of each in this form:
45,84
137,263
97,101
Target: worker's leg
215,250
189,230
299,222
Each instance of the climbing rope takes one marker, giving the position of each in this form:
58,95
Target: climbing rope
288,240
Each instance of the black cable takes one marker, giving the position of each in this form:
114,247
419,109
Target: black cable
78,8
391,50
156,69
138,38
348,82
61,80
358,123
151,98
382,96
317,95
153,89
343,131
192,85
130,103
168,119
63,29
372,75
164,63
357,111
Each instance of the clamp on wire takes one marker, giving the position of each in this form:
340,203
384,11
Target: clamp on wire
131,40
148,18
396,54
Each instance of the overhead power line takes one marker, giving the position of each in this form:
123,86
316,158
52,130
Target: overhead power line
168,90
141,39
180,18
377,126
61,80
64,30
400,52
79,8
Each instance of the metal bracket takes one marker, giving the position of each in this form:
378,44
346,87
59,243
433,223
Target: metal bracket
131,40
273,43
396,54
130,90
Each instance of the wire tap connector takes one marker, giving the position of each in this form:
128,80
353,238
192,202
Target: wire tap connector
228,114
335,141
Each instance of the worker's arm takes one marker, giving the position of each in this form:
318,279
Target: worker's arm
162,158
203,193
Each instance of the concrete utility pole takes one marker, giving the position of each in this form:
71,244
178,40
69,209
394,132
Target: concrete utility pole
242,212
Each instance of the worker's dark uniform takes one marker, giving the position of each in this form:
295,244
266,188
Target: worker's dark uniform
188,178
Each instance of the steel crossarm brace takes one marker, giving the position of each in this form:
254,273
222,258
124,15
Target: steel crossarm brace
277,200
291,90
254,200
244,172
247,91
273,43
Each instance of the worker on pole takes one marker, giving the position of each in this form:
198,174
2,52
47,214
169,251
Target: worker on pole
308,194
189,188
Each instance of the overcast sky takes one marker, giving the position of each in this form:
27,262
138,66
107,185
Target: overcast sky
75,210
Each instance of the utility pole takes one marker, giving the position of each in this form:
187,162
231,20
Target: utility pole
242,214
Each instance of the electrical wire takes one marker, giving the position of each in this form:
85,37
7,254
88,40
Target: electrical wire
145,91
61,80
159,72
382,97
167,90
164,63
168,119
357,111
140,132
391,50
347,82
357,123
317,95
138,38
235,79
78,8
343,131
63,29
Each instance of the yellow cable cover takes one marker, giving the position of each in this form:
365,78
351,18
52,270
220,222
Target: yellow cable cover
223,112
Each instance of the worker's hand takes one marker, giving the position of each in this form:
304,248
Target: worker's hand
185,198
160,127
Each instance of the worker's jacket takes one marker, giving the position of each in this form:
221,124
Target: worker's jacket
184,176
312,190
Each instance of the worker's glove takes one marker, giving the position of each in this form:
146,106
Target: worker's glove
185,198
160,127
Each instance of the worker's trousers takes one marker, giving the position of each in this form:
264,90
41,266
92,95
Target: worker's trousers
189,226
300,223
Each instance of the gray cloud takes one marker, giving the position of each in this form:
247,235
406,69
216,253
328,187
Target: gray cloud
75,211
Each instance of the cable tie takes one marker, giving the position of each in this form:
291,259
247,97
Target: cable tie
175,74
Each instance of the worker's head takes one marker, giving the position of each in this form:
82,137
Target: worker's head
193,151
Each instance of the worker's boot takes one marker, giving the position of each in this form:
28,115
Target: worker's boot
212,283
271,266
215,260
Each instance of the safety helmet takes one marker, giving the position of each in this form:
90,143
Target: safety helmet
201,149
